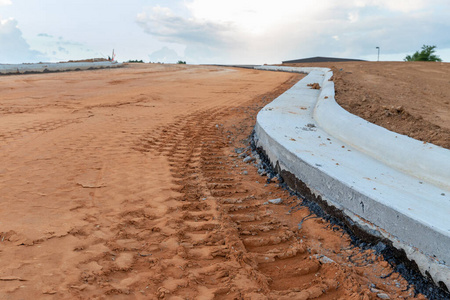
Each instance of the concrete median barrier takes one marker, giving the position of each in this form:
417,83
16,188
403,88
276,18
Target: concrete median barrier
391,186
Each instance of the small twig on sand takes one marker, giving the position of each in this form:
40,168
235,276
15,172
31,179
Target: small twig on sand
11,278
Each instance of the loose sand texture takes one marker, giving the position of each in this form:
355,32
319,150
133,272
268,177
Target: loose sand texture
410,98
130,184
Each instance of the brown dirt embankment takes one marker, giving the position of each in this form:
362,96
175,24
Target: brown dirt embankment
410,98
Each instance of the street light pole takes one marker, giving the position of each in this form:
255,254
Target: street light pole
378,53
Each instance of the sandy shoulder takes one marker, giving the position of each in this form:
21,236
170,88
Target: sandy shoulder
71,180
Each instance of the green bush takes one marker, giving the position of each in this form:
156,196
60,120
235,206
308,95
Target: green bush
181,62
427,54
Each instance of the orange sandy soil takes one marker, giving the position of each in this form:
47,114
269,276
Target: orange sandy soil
124,184
411,98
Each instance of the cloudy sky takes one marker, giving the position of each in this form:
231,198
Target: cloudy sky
219,31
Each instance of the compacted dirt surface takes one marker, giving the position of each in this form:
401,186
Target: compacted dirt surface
410,98
139,183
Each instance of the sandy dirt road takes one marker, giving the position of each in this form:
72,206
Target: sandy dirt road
126,184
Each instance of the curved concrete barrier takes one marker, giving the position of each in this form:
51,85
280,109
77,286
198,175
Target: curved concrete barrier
422,160
55,67
338,158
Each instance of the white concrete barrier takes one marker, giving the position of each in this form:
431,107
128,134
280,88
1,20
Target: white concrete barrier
340,159
55,67
422,160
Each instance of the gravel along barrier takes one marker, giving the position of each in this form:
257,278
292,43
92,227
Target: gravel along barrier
6,69
386,185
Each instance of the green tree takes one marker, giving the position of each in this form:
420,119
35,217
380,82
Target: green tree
427,54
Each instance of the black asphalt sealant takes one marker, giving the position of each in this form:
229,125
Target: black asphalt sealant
359,237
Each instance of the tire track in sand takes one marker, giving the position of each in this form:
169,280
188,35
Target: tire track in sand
202,234
232,244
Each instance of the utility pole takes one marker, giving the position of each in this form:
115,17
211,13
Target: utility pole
378,53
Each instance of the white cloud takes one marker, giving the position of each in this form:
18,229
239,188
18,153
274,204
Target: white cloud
161,22
45,35
60,49
165,55
202,39
353,17
404,6
5,2
13,47
255,31
255,16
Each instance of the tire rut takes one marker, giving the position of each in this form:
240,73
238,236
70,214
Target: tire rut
236,244
201,231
